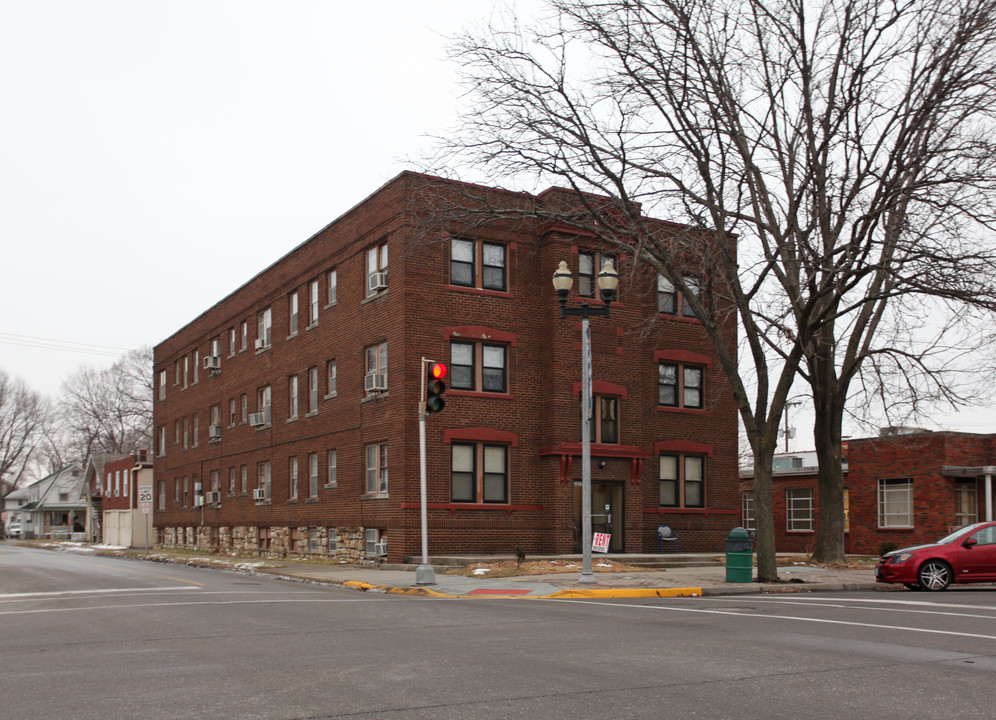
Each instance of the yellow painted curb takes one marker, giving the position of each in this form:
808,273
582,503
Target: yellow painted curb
357,585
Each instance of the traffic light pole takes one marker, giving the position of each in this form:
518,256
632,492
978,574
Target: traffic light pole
425,574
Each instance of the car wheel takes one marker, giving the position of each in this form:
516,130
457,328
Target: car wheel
934,575
912,586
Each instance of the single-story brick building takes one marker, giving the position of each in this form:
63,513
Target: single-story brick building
905,487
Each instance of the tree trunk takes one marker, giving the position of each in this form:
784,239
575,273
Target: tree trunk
767,566
829,511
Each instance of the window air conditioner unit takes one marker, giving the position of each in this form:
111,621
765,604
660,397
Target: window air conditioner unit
214,432
198,500
375,382
259,344
380,548
259,494
213,498
376,282
257,419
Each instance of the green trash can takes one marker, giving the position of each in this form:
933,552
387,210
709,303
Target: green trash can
739,556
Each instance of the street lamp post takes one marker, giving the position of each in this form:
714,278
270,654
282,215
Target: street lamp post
608,282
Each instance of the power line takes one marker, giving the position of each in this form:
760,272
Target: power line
41,343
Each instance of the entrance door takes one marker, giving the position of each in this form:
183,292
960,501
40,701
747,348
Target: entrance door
606,513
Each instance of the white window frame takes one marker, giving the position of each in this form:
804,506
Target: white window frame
292,303
313,303
292,480
799,516
890,492
313,475
332,477
376,469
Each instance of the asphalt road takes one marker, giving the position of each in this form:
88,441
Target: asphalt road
93,637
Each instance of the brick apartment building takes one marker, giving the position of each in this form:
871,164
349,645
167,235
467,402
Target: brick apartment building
286,415
906,489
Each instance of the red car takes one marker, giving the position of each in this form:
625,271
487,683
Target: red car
965,556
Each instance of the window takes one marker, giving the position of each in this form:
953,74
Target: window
333,461
292,492
333,286
376,269
312,390
197,429
747,511
895,503
847,510
245,408
313,475
330,375
604,419
186,429
478,366
799,509
263,396
186,369
245,334
292,321
232,412
263,478
312,540
216,347
292,397
966,511
477,264
376,469
479,473
587,273
670,301
231,481
245,479
376,542
162,440
376,365
679,385
231,342
197,364
162,494
216,481
312,303
162,384
682,481
186,490
176,490
264,329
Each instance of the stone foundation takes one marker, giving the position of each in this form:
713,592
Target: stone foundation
349,544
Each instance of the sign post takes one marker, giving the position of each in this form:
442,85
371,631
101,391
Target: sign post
145,502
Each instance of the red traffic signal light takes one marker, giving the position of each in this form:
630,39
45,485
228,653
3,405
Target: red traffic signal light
435,388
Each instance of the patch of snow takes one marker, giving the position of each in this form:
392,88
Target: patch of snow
482,571
603,564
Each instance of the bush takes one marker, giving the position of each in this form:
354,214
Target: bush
887,547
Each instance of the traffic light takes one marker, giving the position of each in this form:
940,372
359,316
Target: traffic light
435,388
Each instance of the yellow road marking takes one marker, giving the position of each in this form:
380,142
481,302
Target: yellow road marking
167,577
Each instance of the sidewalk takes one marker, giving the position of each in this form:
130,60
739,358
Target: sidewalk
687,575
670,582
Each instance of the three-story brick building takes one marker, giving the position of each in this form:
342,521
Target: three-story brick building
286,415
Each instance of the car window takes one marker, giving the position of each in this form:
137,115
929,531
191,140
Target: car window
986,536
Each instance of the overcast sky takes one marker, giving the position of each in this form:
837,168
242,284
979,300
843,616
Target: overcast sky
157,154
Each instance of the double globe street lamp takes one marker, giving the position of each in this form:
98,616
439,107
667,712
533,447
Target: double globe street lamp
608,283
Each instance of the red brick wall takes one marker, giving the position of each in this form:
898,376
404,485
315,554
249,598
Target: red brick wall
917,457
416,316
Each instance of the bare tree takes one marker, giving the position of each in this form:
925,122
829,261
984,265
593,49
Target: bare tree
23,414
108,409
847,144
